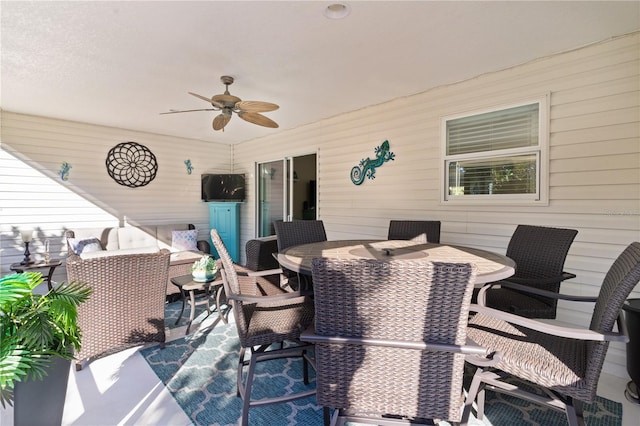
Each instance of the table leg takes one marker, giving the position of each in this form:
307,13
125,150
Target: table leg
183,303
51,269
219,304
207,295
192,314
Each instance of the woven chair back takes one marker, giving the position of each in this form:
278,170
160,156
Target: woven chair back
299,232
230,280
127,305
420,230
540,252
620,280
393,300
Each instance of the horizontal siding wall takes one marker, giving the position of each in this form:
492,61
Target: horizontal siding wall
594,163
32,194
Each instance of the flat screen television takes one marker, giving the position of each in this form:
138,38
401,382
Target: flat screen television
223,187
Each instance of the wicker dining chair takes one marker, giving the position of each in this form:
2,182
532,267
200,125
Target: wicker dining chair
264,315
126,307
295,233
419,230
564,364
260,256
539,253
390,338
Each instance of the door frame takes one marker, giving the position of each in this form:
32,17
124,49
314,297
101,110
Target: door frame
288,165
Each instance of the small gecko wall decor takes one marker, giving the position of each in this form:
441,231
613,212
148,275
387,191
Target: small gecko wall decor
367,167
189,166
64,171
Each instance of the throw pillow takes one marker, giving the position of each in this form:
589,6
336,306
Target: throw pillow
88,245
184,240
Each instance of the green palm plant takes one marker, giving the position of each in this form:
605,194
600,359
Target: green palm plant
35,327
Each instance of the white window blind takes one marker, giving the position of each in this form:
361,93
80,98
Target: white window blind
497,130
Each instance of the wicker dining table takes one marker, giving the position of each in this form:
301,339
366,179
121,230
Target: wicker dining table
491,266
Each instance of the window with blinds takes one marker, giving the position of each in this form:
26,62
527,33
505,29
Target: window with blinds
494,155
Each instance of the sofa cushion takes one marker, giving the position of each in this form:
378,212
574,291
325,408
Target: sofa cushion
88,245
108,236
182,257
105,253
164,234
133,237
184,240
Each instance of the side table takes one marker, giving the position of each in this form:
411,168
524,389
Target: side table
51,264
186,284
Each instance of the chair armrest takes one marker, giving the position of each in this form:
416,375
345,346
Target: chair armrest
266,299
263,273
203,246
548,280
544,327
309,335
526,289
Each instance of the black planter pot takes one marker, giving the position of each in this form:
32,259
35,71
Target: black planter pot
41,402
631,316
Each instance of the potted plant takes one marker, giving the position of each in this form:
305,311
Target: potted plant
38,334
204,269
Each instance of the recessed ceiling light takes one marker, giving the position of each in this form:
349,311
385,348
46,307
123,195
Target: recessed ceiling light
337,10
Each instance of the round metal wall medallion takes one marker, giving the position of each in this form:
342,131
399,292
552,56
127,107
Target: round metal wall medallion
131,164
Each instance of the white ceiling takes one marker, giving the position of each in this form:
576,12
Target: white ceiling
122,63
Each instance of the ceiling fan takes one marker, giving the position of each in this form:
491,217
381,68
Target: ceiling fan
228,104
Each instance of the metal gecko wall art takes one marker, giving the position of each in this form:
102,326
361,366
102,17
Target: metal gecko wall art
189,166
64,171
367,167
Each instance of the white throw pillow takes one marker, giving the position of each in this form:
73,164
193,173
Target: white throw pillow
184,240
87,245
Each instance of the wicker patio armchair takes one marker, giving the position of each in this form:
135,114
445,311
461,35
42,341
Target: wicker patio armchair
265,315
390,339
419,230
539,253
563,363
295,233
126,307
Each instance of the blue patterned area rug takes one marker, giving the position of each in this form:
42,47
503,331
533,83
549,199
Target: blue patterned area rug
200,372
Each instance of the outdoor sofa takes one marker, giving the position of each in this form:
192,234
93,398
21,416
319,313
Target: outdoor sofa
179,239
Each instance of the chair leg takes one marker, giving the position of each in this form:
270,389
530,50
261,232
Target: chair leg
261,354
240,367
574,410
305,368
246,398
480,403
475,388
326,416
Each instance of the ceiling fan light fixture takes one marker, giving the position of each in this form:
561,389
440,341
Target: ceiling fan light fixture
337,11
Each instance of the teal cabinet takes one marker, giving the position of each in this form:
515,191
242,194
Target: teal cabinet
225,218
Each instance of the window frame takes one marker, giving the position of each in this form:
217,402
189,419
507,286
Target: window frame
541,150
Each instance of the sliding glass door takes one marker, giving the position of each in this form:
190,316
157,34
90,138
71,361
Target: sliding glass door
271,195
286,191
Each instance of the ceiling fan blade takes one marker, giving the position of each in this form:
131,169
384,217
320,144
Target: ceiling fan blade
256,106
259,119
220,121
187,110
212,101
204,98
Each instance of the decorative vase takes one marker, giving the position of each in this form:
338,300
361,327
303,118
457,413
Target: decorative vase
203,276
